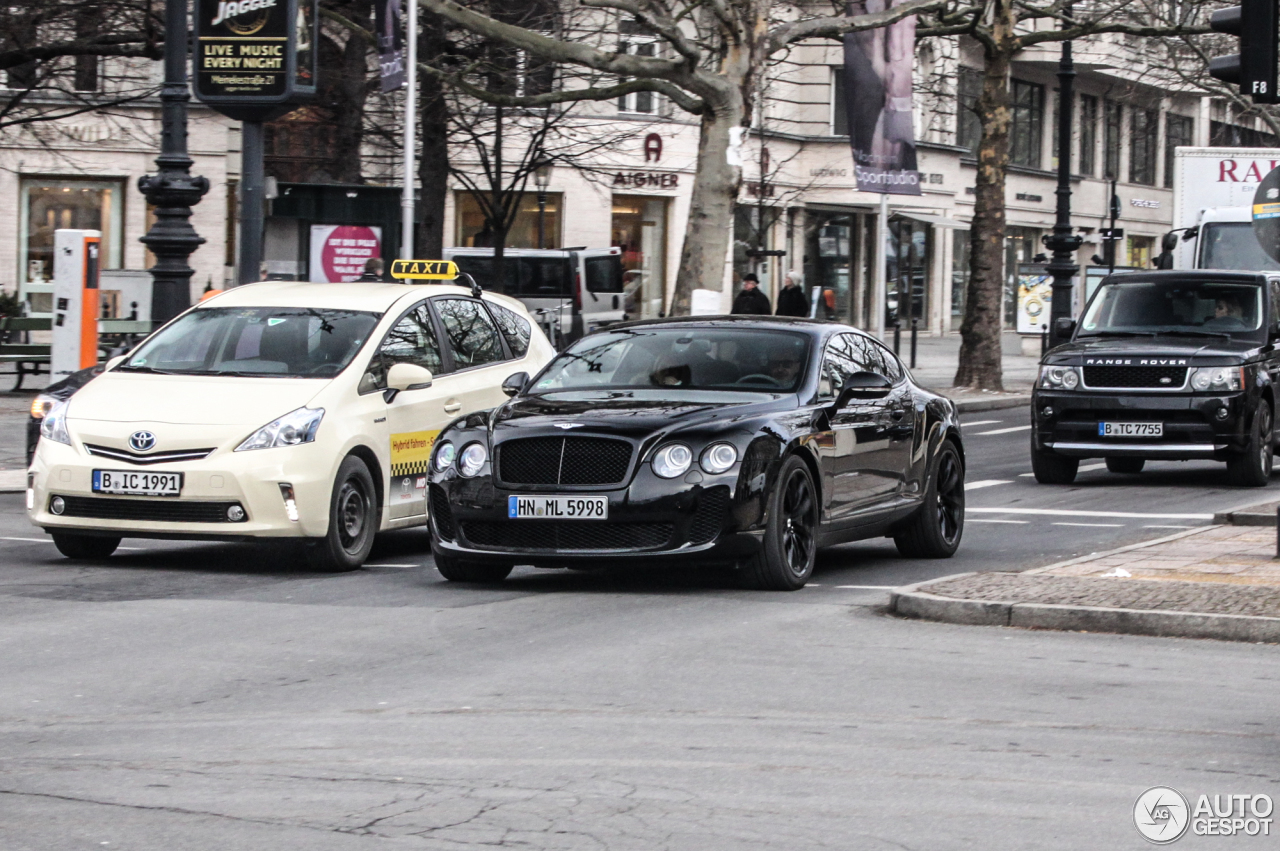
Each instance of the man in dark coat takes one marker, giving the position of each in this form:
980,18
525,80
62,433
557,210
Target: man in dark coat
373,268
751,300
791,301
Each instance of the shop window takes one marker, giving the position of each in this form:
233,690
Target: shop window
1027,121
959,275
1178,131
1088,135
1140,250
907,276
475,231
1142,146
968,125
49,204
829,255
1111,140
639,228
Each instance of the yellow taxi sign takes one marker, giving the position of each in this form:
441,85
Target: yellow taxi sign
424,270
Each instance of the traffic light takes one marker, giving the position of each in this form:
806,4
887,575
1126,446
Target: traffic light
1254,68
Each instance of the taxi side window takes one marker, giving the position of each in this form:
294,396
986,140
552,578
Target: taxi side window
411,340
515,329
839,362
471,333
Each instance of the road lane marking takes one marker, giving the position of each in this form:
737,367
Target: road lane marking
870,587
1108,525
1063,512
981,520
391,565
985,483
33,540
1084,468
980,422
1006,430
1164,526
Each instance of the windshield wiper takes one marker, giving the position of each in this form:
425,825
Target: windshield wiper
150,369
1120,334
1223,334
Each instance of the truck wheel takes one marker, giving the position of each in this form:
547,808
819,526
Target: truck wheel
84,546
459,570
1252,469
1053,469
353,521
1125,465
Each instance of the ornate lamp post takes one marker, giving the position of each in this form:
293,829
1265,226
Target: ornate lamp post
173,190
542,179
1063,242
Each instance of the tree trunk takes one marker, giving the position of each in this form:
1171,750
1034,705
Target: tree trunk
980,332
433,167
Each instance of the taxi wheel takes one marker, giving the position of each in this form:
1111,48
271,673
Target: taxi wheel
353,521
935,530
789,549
84,546
1252,469
459,570
1126,465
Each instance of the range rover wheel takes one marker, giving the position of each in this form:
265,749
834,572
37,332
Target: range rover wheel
1053,469
935,530
460,570
1125,465
353,521
84,546
1252,469
788,551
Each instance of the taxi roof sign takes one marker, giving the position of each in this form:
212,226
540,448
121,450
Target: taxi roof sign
424,270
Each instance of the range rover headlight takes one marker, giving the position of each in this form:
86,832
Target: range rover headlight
1059,377
718,457
54,425
672,460
1217,378
297,426
472,459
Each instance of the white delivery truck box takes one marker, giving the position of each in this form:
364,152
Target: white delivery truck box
1212,208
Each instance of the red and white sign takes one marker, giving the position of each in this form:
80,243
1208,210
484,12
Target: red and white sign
339,252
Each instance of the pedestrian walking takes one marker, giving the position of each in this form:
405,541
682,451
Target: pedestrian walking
791,301
373,268
750,300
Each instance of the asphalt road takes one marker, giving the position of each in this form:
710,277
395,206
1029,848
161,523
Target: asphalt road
200,696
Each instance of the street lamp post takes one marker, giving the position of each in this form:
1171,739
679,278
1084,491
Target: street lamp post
1063,242
542,179
173,190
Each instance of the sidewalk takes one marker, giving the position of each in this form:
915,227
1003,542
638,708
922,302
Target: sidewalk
938,357
1210,582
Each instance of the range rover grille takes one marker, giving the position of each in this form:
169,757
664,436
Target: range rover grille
1156,377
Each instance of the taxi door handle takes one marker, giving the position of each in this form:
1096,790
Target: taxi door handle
452,406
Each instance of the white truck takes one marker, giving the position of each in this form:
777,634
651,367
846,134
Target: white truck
1212,209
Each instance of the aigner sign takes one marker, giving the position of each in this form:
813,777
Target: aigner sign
255,59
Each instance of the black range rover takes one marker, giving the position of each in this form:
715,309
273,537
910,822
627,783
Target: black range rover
1164,365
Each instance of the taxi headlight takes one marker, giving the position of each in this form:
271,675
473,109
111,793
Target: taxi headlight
718,457
41,405
54,425
445,453
1217,378
672,460
1059,377
293,428
472,458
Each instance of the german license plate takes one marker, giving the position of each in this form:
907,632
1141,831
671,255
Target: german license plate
558,507
136,483
1130,429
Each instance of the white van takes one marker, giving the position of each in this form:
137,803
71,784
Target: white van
573,291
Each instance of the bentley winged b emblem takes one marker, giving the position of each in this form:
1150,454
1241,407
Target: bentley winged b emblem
567,426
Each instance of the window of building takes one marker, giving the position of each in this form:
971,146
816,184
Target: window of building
475,231
1140,250
839,113
48,204
959,275
829,258
1143,138
1223,135
907,273
1025,132
1178,131
635,40
968,125
640,230
1111,140
1088,135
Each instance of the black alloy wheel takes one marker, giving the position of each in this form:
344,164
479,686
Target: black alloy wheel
1252,468
353,520
789,549
934,531
84,546
1126,465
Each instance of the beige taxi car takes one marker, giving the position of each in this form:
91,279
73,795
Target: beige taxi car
278,410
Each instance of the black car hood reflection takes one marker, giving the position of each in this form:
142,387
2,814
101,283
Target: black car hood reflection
637,412
1162,346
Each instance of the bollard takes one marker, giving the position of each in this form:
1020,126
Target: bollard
1278,531
1044,342
914,323
897,336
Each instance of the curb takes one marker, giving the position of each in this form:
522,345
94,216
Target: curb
972,406
1245,515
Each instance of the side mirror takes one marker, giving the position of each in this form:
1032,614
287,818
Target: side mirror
408,376
114,362
1064,327
862,385
515,383
1169,242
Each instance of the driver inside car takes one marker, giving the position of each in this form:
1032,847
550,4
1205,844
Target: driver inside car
784,367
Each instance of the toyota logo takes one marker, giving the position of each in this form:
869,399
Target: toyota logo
141,441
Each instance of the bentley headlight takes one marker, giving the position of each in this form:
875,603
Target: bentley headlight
1059,377
1217,378
54,425
445,453
672,460
293,428
718,457
472,459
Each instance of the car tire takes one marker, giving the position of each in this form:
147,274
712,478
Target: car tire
1126,465
1050,468
84,546
935,530
353,521
460,570
789,549
1252,469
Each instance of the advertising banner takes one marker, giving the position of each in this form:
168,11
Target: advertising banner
386,14
1035,296
339,252
254,57
878,67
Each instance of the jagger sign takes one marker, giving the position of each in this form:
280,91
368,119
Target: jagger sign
254,58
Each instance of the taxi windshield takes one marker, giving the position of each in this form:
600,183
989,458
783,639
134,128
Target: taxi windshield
267,342
1200,308
752,360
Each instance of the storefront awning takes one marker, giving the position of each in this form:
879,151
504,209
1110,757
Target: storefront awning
937,221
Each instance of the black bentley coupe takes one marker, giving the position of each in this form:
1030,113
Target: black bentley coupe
744,440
